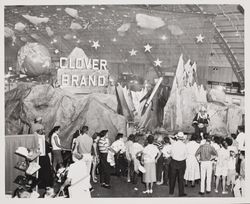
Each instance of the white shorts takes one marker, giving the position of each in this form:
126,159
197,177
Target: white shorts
221,171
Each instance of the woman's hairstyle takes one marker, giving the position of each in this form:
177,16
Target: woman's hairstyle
53,131
150,139
241,128
224,143
229,141
84,129
76,134
119,136
242,153
95,135
234,136
131,137
166,140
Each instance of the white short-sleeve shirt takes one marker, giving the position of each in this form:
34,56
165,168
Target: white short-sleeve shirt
149,153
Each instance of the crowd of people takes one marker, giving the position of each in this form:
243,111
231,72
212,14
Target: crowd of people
189,159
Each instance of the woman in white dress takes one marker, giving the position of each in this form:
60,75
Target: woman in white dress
192,172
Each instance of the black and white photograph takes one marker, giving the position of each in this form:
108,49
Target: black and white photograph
124,100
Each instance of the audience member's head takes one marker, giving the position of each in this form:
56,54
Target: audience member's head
76,134
103,133
234,136
241,128
229,141
131,137
166,140
95,136
150,139
224,143
119,136
242,154
84,129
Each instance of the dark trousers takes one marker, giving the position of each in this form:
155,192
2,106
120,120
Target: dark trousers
134,174
120,165
166,163
105,169
177,170
199,130
159,168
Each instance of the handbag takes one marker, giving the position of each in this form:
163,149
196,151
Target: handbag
33,168
22,165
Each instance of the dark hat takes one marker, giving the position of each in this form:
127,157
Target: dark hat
102,133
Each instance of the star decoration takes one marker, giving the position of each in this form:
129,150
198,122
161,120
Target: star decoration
164,37
147,48
199,38
95,44
158,62
133,52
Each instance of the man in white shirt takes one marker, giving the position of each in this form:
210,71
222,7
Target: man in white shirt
178,164
241,138
84,145
78,179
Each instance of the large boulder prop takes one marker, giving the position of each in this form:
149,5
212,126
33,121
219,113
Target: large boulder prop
34,60
56,107
187,96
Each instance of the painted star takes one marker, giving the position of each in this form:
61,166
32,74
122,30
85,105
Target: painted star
147,48
158,62
133,52
164,37
199,38
95,44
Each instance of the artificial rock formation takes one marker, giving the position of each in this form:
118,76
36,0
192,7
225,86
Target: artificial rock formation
57,107
186,98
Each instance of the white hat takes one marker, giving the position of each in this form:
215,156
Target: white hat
180,136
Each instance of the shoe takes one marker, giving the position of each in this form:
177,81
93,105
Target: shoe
201,193
104,185
128,180
183,195
208,192
151,191
224,192
216,191
193,185
136,189
186,185
145,192
158,183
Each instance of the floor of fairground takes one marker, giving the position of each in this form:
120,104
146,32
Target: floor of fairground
121,188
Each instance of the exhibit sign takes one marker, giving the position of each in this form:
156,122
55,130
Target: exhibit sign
83,75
